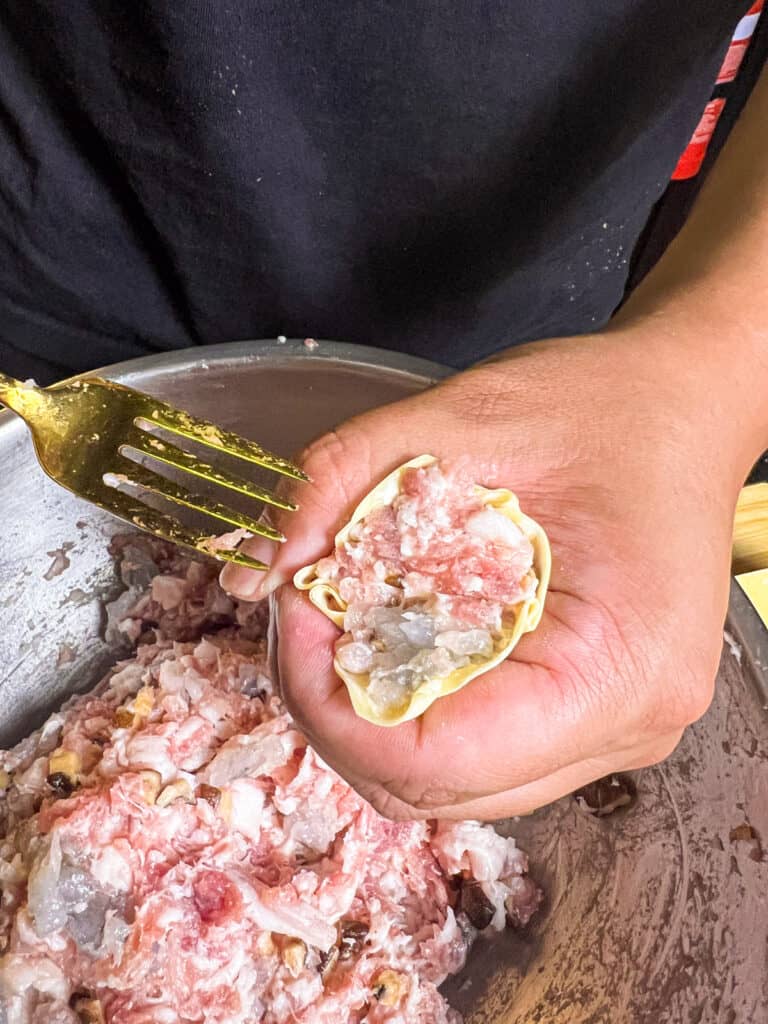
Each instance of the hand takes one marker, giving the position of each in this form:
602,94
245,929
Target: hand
604,442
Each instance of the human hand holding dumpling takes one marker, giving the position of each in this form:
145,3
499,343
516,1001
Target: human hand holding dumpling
626,651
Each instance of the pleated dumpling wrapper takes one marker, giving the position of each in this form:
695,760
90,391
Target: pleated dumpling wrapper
432,581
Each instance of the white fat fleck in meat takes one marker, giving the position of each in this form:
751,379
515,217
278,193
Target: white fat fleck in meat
468,846
33,778
328,567
282,912
246,806
355,657
48,911
127,680
181,910
256,754
24,979
469,641
110,868
367,592
490,524
151,752
181,677
449,938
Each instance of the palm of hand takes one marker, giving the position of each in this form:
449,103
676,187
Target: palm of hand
626,651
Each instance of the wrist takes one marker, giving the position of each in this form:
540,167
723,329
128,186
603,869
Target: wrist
706,298
669,378
711,364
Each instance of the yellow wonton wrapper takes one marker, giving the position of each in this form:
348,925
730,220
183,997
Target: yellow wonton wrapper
519,619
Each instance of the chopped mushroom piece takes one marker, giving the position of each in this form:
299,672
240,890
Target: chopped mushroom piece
352,936
88,1010
211,794
606,795
475,904
328,961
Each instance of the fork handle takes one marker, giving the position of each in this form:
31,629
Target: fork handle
15,395
8,382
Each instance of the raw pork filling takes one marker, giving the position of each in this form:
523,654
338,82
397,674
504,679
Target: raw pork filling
428,582
171,850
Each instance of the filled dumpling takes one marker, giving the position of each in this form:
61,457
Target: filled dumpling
433,581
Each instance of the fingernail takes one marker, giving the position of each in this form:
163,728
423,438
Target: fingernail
252,584
249,584
269,582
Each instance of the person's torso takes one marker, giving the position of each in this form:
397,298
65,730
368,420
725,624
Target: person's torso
446,179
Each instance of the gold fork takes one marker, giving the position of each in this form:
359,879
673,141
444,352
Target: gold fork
83,431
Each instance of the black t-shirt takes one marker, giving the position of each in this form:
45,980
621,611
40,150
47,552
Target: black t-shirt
442,178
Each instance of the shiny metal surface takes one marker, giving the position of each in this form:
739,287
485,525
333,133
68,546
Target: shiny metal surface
54,571
108,444
655,915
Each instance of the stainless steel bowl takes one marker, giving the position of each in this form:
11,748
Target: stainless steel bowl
655,914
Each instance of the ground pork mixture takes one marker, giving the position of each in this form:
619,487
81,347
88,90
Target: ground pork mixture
171,850
427,582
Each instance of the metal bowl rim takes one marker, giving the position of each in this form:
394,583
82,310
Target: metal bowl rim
183,360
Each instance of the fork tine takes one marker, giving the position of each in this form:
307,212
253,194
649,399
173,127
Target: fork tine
145,480
135,512
184,425
170,455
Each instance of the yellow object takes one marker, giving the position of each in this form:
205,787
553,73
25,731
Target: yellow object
89,432
144,702
64,762
750,530
294,955
178,790
265,944
750,546
124,718
389,987
225,806
521,619
150,784
755,586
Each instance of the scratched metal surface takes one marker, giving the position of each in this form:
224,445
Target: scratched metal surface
655,915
